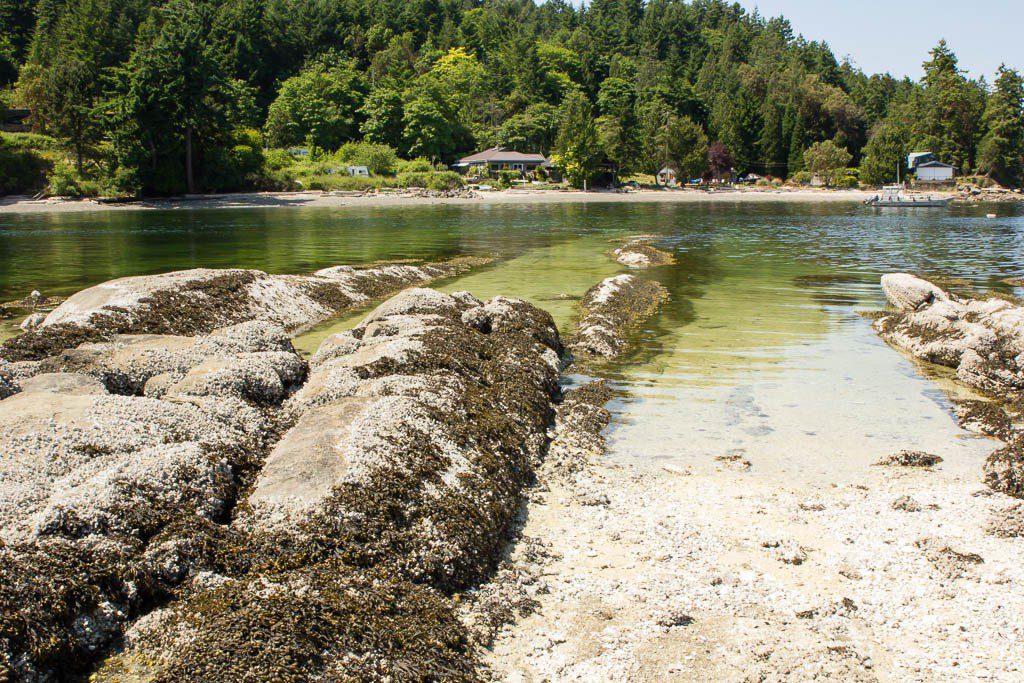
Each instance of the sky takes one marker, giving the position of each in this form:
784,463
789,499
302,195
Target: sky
894,36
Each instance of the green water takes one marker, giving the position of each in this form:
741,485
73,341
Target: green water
761,350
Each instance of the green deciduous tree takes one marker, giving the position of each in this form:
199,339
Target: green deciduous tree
382,116
827,160
319,106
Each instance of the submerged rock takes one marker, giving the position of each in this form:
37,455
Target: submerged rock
609,309
195,302
639,254
411,444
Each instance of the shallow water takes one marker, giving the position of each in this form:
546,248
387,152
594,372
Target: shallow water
761,353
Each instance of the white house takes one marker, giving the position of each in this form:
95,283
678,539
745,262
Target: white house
363,171
935,172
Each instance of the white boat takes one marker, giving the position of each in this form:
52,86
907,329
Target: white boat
894,195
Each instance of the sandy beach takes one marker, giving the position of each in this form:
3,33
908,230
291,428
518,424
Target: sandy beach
328,200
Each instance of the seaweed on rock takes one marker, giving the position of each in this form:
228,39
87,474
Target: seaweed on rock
609,309
196,302
396,487
326,621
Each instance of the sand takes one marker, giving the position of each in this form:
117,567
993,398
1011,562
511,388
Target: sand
676,575
326,200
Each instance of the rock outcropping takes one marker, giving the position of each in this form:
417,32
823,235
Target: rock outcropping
640,254
401,468
195,302
609,309
982,340
108,499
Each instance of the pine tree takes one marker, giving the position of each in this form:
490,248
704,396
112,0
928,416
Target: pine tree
1001,153
578,146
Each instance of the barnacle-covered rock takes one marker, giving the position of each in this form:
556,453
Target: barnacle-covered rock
328,622
609,309
639,254
982,339
1004,469
196,302
433,417
397,484
251,360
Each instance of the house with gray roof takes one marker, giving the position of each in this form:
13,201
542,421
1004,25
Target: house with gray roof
499,159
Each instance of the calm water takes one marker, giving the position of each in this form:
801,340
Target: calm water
760,353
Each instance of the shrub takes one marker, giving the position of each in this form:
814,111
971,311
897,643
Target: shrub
380,159
276,159
238,167
32,141
22,169
801,178
63,181
438,181
340,181
506,177
419,165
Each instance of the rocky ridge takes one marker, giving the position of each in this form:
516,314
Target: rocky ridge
983,340
609,310
196,302
224,477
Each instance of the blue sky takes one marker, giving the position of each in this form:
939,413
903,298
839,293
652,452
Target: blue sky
895,35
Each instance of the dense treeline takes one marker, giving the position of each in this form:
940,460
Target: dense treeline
186,94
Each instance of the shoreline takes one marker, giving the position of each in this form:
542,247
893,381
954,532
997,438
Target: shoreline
311,199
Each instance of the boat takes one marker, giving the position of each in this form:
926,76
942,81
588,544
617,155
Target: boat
894,196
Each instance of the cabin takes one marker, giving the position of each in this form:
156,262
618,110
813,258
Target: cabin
666,177
497,159
16,121
361,171
935,172
917,158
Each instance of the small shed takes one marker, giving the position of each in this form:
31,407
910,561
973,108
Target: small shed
15,120
363,171
666,177
935,172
